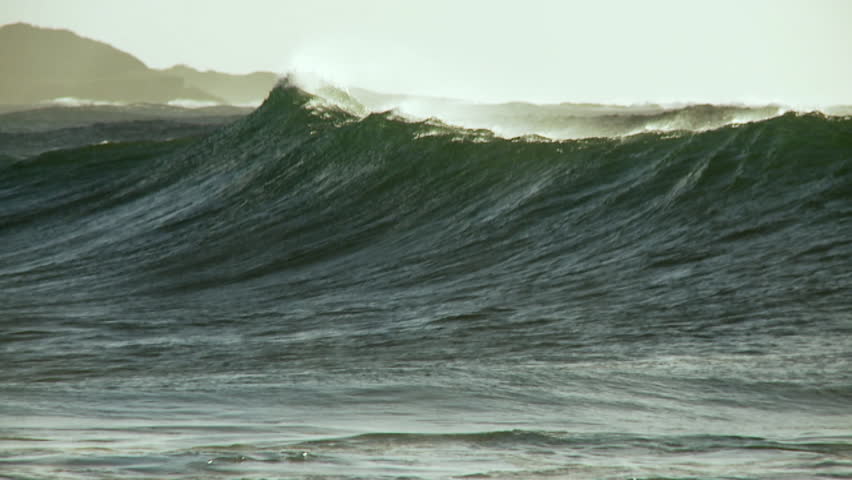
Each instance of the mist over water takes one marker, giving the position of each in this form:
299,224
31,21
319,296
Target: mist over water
344,284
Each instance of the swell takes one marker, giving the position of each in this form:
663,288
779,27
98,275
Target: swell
532,454
322,187
27,144
518,439
305,214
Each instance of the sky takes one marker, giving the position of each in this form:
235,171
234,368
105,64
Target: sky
796,52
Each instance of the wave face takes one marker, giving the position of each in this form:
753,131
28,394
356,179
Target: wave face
325,294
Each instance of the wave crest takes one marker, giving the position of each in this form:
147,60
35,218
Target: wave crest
563,121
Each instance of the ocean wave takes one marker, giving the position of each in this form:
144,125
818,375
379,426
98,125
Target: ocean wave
298,193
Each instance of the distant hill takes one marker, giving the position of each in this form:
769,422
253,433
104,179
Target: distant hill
40,64
234,89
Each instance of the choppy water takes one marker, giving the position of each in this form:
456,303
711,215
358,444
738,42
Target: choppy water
305,293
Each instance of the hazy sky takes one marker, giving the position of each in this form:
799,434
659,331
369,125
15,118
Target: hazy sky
796,52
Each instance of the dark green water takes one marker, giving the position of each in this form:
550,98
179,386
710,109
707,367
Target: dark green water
308,294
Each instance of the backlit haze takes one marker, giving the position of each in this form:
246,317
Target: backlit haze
792,52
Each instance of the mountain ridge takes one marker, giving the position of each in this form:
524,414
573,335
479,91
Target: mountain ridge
42,64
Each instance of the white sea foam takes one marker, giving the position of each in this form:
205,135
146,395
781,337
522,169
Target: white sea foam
189,103
81,102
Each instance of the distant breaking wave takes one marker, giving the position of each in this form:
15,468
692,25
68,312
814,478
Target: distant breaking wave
81,102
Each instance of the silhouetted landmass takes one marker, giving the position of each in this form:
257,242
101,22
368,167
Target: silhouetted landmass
40,64
234,89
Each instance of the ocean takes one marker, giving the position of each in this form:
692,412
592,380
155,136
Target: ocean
315,290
